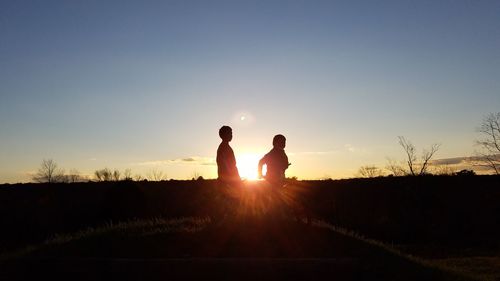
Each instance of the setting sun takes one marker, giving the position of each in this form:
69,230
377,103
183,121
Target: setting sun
247,165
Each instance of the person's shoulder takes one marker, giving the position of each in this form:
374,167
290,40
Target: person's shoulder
224,146
279,153
221,147
276,151
269,154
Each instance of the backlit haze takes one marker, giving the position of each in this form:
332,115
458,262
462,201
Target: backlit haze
146,85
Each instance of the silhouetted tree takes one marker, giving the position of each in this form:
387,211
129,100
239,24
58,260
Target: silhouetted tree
465,172
103,175
138,177
443,170
196,175
396,169
156,175
489,153
116,175
49,172
370,172
410,151
427,155
411,157
127,175
74,176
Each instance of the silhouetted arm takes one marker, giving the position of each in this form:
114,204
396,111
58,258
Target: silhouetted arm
287,164
259,168
231,163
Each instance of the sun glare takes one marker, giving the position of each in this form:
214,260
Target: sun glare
247,165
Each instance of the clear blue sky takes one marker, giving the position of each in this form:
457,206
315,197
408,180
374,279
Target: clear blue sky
145,84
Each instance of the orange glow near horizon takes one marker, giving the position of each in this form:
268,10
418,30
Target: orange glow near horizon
247,165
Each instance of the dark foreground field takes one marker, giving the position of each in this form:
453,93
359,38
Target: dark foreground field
196,230
254,249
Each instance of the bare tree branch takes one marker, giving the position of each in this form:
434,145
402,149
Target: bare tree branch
103,175
49,172
489,154
411,155
426,157
395,168
409,149
116,175
370,172
156,175
74,176
127,175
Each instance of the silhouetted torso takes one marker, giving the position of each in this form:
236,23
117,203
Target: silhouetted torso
226,163
276,162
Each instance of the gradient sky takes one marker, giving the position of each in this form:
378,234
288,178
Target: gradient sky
147,84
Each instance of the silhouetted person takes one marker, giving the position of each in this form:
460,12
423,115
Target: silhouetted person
226,162
276,162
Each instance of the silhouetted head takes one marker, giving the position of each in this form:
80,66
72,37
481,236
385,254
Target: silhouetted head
226,133
279,141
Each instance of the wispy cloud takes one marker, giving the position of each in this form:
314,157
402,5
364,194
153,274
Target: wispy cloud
194,160
347,148
459,160
451,161
312,153
474,162
353,149
29,174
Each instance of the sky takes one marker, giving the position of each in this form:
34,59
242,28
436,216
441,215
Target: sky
145,85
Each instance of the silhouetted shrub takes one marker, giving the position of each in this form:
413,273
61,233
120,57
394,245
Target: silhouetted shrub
465,172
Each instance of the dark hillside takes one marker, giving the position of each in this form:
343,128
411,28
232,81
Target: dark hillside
451,210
